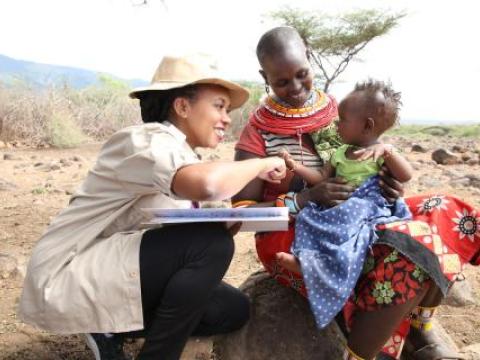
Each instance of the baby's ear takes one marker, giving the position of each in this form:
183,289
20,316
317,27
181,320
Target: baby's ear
369,124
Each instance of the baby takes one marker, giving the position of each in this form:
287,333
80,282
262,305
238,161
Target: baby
331,243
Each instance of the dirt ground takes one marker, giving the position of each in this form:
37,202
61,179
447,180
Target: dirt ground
40,183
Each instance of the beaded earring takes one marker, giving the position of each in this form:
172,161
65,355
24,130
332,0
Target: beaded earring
267,88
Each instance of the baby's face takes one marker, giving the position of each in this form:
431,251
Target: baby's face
290,76
351,126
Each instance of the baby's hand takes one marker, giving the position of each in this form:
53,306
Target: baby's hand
289,161
374,151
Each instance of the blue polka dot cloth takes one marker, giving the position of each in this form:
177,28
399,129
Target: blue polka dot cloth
331,245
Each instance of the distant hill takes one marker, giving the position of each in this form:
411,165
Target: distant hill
43,75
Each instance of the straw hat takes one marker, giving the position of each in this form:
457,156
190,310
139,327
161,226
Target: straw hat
176,72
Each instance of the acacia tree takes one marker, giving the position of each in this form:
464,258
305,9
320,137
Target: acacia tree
333,41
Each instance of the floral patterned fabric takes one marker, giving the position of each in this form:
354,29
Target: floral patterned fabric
444,228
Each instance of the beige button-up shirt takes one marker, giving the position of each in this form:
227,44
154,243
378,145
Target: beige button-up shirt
84,274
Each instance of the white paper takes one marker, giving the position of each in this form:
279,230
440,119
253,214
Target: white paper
252,219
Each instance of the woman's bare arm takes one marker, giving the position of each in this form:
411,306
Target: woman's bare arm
221,180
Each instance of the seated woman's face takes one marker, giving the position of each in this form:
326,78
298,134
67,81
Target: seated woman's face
206,117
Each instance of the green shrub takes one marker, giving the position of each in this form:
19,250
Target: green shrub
62,131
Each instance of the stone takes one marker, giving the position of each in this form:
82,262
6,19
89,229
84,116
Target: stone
417,165
471,352
8,266
65,162
281,327
473,162
442,335
459,149
452,173
466,157
460,182
77,158
10,156
198,349
419,148
460,294
445,157
6,185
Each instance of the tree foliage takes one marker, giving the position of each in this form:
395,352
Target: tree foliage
333,41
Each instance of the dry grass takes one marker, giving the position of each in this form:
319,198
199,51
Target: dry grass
65,117
62,116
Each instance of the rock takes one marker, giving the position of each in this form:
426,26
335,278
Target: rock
445,157
7,185
452,173
8,266
460,182
471,352
460,294
419,148
417,165
459,149
443,337
65,162
473,162
466,157
43,167
10,156
281,327
77,158
430,181
473,177
55,167
38,164
198,349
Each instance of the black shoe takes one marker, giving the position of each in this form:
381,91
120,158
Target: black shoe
105,347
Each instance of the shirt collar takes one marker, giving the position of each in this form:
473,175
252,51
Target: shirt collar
179,135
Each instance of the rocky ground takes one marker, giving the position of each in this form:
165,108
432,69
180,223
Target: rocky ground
35,184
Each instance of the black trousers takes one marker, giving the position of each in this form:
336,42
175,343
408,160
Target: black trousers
181,268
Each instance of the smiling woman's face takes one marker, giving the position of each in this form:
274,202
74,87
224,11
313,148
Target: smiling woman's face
290,76
205,119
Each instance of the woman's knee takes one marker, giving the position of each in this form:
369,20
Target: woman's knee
241,313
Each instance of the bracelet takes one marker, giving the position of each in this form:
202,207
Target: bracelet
243,203
280,200
291,203
388,151
288,200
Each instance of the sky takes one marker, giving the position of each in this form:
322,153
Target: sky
432,57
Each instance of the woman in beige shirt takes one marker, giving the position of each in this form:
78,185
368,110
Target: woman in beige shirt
95,271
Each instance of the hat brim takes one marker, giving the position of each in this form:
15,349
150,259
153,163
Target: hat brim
238,94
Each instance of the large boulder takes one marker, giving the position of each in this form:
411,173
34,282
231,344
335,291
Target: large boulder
281,327
445,157
460,294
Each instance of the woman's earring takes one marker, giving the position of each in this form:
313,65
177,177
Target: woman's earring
267,88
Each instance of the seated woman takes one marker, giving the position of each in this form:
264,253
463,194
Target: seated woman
410,266
95,270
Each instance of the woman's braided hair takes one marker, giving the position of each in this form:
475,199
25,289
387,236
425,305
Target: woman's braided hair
155,105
